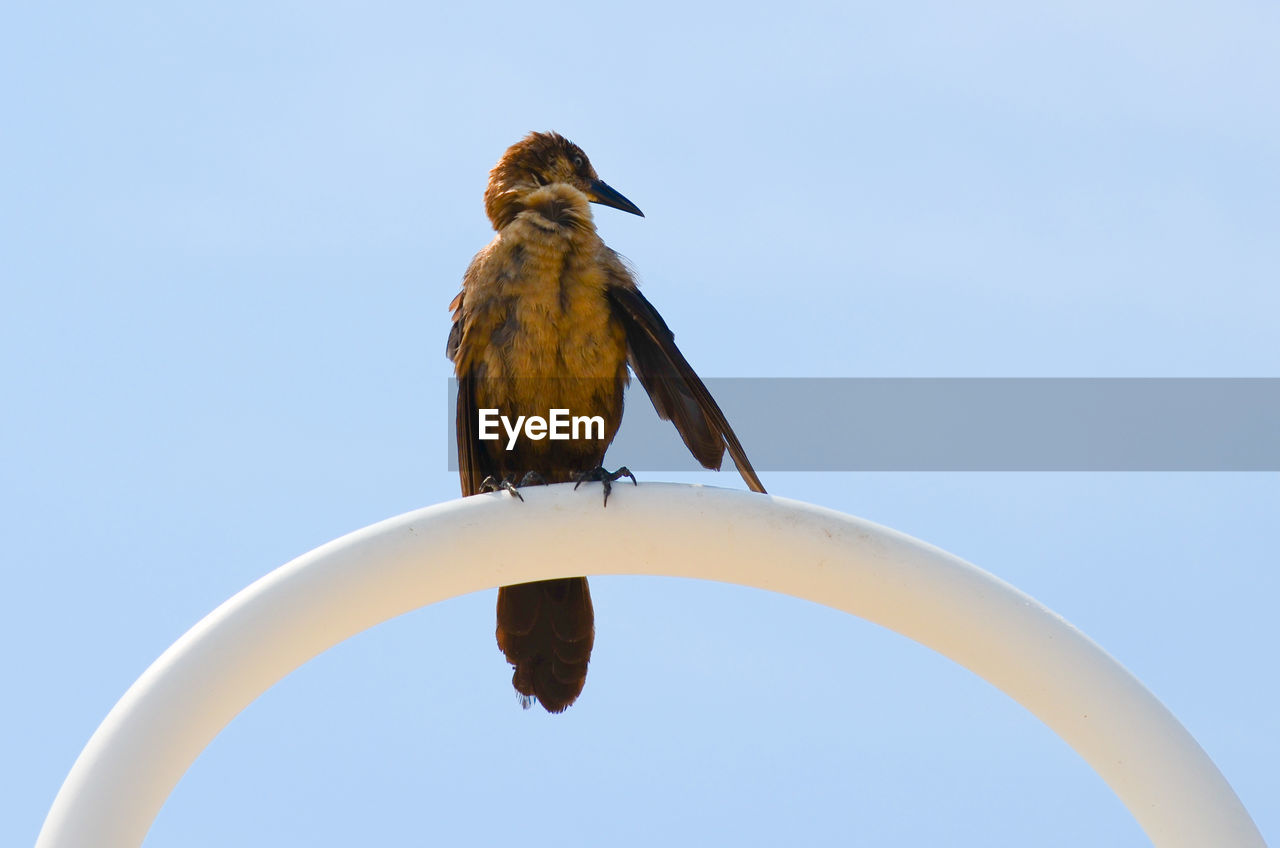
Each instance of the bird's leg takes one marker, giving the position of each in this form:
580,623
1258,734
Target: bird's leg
606,478
491,484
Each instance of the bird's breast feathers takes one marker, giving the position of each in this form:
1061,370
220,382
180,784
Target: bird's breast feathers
536,307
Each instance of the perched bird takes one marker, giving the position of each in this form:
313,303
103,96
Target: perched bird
549,318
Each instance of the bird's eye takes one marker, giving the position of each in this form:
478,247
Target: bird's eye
577,161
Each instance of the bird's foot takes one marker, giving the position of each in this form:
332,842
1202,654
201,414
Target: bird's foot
605,478
492,484
508,484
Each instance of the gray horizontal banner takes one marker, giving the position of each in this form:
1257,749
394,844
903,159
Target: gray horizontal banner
977,424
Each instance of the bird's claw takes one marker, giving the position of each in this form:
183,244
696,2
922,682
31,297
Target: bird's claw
508,484
605,478
492,484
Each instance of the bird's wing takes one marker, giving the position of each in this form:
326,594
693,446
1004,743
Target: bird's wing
677,393
470,473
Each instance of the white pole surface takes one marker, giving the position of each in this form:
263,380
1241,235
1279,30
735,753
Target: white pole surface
238,651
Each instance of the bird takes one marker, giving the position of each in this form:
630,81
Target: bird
550,317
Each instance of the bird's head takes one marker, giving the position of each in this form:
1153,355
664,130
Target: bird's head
539,160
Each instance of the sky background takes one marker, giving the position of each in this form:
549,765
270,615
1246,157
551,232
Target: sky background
229,235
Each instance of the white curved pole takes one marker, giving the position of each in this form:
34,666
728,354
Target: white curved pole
238,651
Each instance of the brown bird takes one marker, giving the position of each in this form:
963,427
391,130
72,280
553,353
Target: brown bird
549,318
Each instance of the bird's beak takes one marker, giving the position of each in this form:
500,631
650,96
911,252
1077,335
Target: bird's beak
600,192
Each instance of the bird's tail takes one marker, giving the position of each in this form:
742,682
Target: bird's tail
546,631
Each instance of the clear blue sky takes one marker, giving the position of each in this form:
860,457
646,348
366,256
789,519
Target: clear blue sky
229,237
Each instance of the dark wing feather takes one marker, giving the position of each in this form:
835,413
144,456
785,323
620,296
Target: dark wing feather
470,473
677,393
469,470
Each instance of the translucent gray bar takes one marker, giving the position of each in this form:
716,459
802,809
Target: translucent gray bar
972,424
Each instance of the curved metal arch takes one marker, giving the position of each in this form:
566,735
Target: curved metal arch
176,708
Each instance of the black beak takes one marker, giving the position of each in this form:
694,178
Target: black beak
600,192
